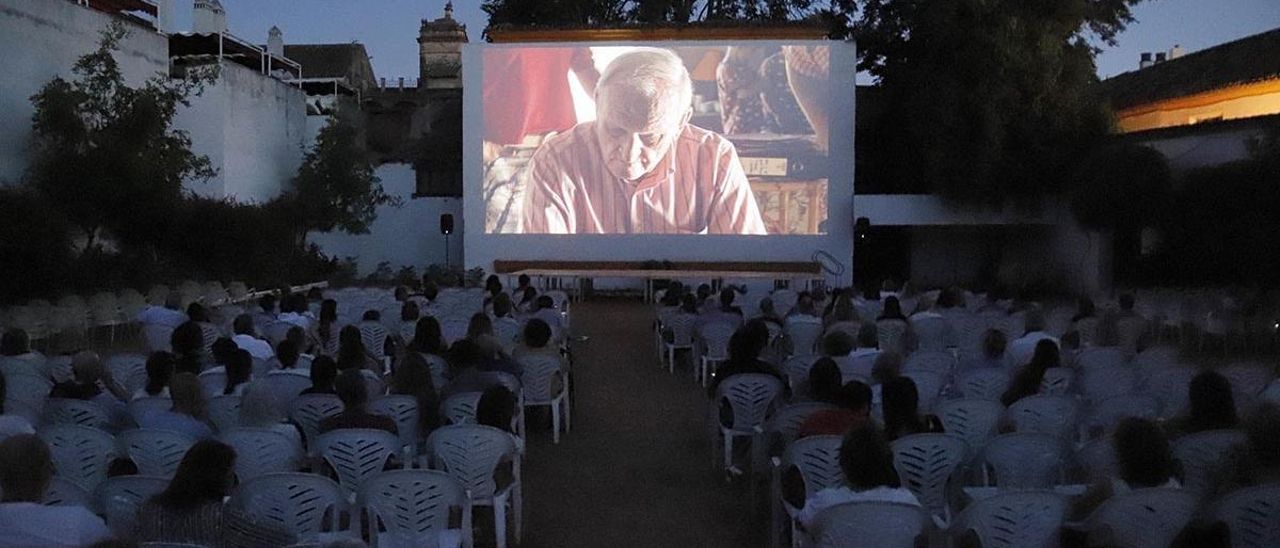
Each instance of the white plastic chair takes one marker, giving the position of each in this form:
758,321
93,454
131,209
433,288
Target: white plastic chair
304,504
1057,381
1099,358
925,464
804,336
817,458
938,362
932,334
309,409
1252,515
892,335
155,452
538,381
1096,462
1170,388
262,451
715,341
508,332
224,412
374,337
1022,461
80,454
460,408
404,410
972,420
72,411
1201,453
983,384
471,454
1144,518
1108,413
150,404
286,386
858,524
797,368
1053,415
968,330
213,383
1015,520
412,508
1103,384
128,368
118,499
64,492
751,397
356,454
928,387
680,327
157,337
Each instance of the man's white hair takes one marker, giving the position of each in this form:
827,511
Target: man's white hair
646,86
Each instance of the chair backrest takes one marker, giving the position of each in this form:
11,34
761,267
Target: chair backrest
507,331
934,361
925,463
1108,413
1096,461
155,452
880,524
460,408
64,492
932,334
304,504
785,423
374,386
1024,461
28,388
128,368
1252,515
797,368
149,404
892,335
402,409
1170,388
356,454
1106,383
309,409
72,411
968,330
80,454
224,412
928,387
414,505
818,460
540,372
804,336
156,337
454,328
118,499
716,338
1057,381
973,420
262,451
1017,519
751,396
374,337
1247,381
1100,357
276,330
286,386
1087,328
213,382
1201,453
1145,518
1054,415
983,384
470,453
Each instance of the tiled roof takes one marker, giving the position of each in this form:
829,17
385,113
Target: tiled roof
1243,61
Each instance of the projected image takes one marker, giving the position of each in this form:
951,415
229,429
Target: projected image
643,140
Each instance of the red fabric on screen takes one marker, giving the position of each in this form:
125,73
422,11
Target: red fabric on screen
526,91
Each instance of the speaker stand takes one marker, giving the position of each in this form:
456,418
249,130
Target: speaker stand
447,265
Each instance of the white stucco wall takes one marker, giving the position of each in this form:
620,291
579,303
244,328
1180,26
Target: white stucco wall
404,236
42,39
253,128
1204,149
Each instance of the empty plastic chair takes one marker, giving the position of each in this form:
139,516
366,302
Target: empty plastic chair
155,452
1144,518
262,451
983,384
1252,515
302,503
71,411
1053,415
542,390
412,508
751,397
1015,520
715,341
972,420
356,454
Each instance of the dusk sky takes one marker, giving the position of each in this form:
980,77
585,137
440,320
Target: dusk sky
388,28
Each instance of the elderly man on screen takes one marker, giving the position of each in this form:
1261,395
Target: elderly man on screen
640,168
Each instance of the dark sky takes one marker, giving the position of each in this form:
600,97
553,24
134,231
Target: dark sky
388,28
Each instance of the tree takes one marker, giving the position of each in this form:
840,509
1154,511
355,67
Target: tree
989,101
105,152
335,188
620,12
1121,186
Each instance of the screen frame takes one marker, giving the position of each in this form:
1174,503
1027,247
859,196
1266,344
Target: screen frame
482,249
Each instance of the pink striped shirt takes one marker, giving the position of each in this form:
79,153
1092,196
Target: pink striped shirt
699,187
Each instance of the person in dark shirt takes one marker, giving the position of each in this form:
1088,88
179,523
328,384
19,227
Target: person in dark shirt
744,355
854,410
323,372
351,390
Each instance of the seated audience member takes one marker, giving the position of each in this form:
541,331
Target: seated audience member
427,304
1143,459
427,338
266,312
726,313
900,407
409,315
246,339
993,353
400,293
188,414
703,295
547,312
325,332
315,297
496,408
17,358
26,466
259,409
839,346
93,382
350,387
1026,382
860,362
1211,405
840,309
769,313
412,377
323,372
854,410
673,295
191,509
1022,348
239,370
526,301
492,287
869,476
352,353
288,359
1085,309
480,333
187,342
804,310
744,355
1257,460
523,283
294,309
536,342
159,370
886,367
822,384
10,424
892,310
302,341
169,315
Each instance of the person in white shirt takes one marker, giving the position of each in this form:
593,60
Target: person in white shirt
17,358
26,467
11,425
245,339
868,473
546,311
1021,348
169,315
294,309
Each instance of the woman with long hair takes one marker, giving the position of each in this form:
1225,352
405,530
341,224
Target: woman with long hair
191,508
412,377
352,353
239,370
1026,382
427,338
323,372
1211,405
900,406
325,326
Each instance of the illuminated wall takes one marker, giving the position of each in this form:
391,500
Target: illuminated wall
1231,103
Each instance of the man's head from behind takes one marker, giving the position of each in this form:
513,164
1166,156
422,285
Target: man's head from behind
25,468
643,100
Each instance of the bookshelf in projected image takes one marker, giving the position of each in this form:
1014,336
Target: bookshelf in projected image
788,175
